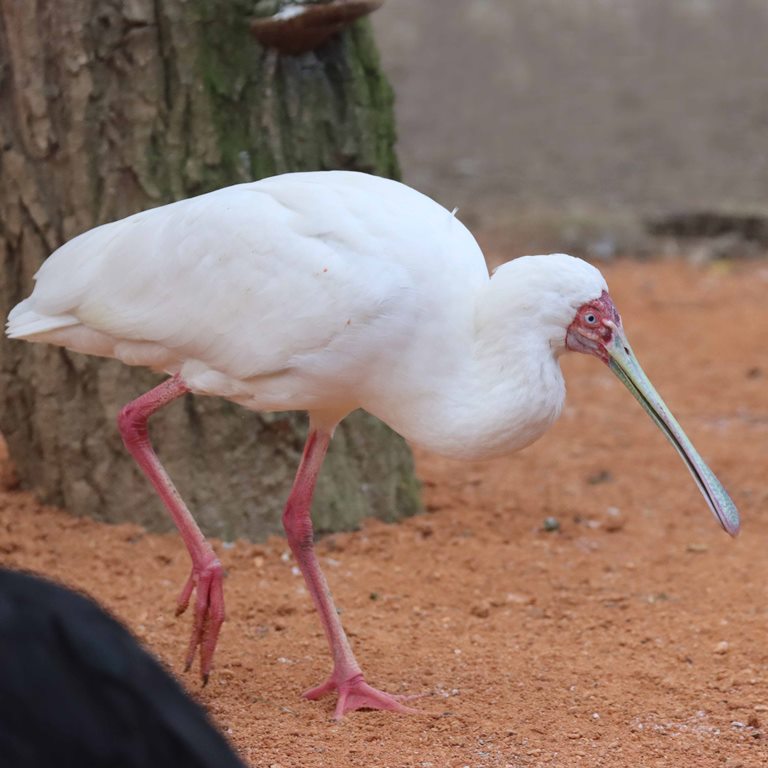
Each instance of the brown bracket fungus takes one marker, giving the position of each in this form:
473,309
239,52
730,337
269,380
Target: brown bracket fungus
298,26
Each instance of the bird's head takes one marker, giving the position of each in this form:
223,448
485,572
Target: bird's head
596,329
593,327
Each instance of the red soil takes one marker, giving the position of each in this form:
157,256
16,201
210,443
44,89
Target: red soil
633,636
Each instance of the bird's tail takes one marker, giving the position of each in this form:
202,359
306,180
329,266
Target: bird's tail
24,322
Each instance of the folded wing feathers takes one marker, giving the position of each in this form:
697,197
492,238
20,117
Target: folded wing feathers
282,288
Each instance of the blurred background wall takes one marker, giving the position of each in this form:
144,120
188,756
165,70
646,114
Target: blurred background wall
569,122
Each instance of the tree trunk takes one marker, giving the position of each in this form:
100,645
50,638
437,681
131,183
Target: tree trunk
111,106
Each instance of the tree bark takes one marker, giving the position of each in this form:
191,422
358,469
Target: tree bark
111,106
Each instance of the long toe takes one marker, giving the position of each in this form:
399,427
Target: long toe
208,616
183,602
355,693
327,688
214,618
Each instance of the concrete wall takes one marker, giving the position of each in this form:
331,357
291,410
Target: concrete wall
584,108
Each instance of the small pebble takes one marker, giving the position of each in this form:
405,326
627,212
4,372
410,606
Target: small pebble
722,647
551,524
603,476
614,524
425,529
519,599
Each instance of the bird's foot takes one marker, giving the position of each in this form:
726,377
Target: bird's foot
355,693
207,581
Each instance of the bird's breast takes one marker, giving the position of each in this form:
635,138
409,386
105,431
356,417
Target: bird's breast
469,417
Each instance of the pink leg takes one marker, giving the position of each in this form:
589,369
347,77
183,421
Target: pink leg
347,677
206,576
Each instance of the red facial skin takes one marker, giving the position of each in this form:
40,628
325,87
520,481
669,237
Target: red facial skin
592,328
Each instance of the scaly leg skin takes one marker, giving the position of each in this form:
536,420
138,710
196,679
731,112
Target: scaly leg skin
206,578
347,677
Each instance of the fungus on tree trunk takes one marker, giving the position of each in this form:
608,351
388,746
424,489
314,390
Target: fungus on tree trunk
299,26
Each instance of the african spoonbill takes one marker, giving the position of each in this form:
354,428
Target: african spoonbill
327,292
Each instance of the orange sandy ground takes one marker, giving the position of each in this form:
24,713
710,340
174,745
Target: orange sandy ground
635,636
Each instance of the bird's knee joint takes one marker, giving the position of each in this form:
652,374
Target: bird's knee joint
131,423
298,529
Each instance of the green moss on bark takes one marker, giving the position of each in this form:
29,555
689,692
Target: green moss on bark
176,100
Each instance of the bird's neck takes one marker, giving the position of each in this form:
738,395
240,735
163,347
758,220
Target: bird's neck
492,385
515,389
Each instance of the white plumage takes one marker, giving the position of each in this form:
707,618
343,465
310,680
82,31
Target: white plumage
322,292
328,292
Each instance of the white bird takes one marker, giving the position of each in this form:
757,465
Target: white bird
327,292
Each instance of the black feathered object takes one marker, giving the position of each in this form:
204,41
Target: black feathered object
77,689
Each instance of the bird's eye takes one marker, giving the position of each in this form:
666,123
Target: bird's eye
590,318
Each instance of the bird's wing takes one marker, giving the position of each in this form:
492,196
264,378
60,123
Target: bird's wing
246,279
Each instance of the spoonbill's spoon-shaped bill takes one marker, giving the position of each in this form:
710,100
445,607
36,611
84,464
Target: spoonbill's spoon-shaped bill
328,292
624,364
597,330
